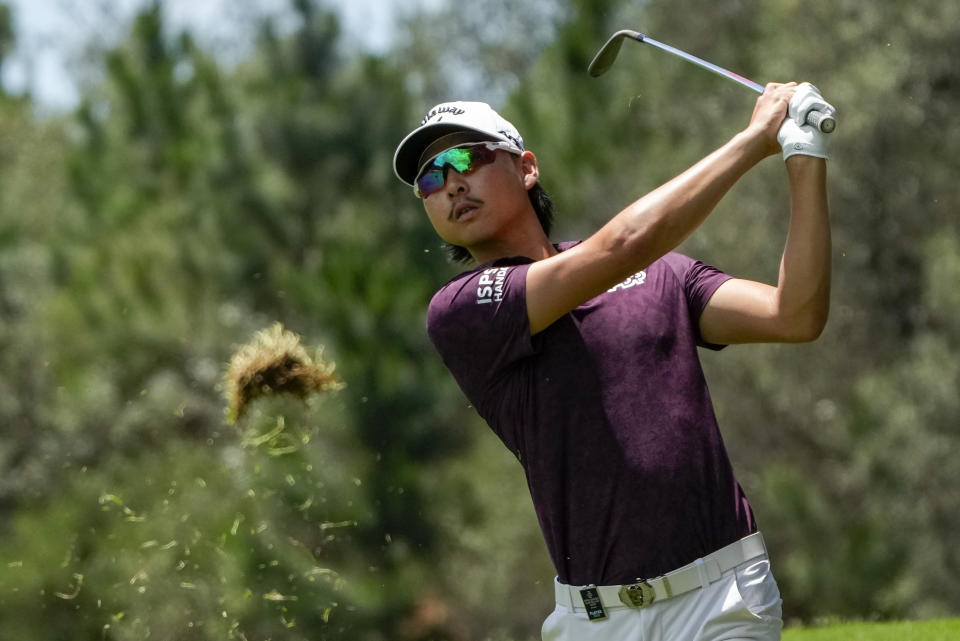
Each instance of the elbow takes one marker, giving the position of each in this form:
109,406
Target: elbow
805,328
645,235
808,334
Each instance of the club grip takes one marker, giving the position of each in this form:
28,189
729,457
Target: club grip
825,121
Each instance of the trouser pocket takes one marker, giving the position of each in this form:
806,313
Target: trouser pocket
759,590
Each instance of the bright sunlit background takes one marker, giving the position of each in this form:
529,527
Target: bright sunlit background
53,35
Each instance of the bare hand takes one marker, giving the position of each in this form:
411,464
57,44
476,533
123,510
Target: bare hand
768,114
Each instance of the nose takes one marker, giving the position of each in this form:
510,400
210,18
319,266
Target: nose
456,183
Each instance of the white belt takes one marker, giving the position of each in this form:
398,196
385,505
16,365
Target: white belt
700,573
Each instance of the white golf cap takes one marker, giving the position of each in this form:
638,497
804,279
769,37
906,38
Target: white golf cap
470,121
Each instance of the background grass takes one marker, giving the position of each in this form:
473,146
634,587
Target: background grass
936,630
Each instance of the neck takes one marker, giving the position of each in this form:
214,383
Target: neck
532,244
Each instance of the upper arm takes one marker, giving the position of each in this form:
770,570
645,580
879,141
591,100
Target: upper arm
558,284
745,311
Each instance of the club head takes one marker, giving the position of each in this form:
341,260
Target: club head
608,52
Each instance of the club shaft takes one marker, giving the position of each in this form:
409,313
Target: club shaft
825,121
703,63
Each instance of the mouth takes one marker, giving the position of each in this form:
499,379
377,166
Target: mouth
463,209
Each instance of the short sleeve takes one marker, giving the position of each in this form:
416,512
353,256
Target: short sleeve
699,281
478,323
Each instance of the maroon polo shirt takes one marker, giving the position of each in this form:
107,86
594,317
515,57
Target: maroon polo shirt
608,412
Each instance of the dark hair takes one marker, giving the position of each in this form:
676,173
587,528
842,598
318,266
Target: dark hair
542,205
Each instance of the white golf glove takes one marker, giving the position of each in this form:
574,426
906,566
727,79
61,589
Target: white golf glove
797,137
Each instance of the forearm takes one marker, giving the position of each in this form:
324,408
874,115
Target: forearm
662,219
803,289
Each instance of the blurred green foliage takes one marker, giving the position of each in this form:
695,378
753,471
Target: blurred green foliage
186,204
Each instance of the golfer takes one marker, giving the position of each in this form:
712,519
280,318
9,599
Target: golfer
582,357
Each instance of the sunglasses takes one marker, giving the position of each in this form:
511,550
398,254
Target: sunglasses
464,159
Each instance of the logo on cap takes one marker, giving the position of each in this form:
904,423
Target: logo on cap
439,111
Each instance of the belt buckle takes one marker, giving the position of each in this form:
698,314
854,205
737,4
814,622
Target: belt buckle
637,595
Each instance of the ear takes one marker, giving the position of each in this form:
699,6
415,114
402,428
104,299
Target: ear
529,169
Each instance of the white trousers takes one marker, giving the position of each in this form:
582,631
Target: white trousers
743,604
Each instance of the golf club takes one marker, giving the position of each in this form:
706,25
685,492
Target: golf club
825,121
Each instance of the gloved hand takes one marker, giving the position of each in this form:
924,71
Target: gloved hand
796,137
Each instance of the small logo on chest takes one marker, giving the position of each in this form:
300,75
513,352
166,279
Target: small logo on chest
637,279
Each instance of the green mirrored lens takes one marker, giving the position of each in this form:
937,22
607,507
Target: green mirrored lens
459,159
464,160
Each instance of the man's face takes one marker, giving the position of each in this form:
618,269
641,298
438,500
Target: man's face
478,209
